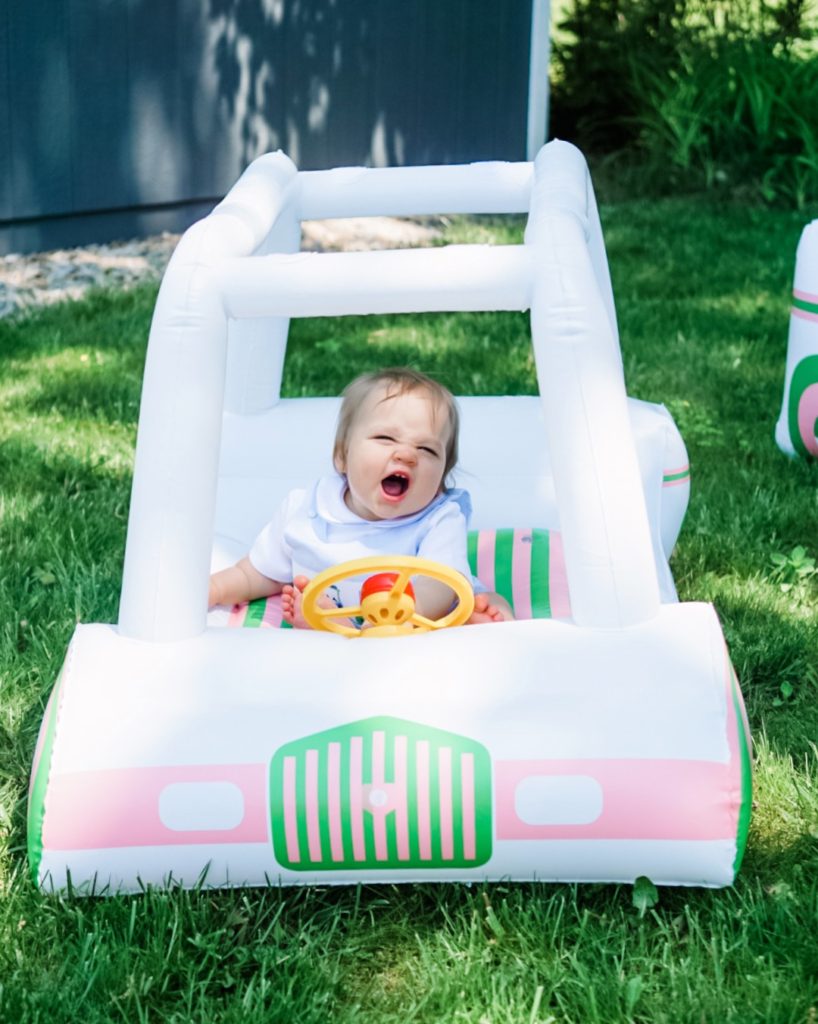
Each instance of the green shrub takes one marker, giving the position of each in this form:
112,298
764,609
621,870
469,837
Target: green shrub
707,94
593,92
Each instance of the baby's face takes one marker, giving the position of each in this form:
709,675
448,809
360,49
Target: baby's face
395,455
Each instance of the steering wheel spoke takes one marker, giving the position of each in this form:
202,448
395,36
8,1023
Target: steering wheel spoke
336,613
421,620
401,583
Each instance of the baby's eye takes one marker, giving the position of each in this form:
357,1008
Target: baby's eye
429,451
383,437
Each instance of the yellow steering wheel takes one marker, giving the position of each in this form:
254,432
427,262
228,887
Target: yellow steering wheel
387,601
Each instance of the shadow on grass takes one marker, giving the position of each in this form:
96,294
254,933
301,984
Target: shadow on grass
109,393
28,469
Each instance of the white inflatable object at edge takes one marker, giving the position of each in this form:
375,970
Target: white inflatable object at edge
607,747
796,431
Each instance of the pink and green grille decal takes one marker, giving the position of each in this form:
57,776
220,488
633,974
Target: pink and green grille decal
381,793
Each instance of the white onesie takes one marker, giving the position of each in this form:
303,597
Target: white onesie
314,530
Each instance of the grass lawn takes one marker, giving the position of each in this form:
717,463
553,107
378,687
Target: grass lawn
702,294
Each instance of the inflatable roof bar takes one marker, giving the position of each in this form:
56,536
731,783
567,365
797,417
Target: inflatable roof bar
239,266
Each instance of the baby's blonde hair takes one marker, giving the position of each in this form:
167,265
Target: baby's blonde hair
396,380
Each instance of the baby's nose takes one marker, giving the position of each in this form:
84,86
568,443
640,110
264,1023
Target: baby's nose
405,453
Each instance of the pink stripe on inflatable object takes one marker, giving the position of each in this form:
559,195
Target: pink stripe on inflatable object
424,810
291,811
804,296
641,799
803,314
444,768
486,543
807,417
400,804
313,814
356,800
558,579
521,574
674,477
468,805
670,801
377,793
126,807
273,614
336,841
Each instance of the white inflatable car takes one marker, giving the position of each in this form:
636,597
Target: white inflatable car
601,736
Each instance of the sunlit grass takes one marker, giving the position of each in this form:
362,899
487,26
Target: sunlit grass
702,298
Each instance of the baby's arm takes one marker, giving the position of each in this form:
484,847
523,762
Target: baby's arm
433,599
446,543
241,582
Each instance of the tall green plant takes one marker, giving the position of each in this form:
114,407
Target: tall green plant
593,94
735,113
709,93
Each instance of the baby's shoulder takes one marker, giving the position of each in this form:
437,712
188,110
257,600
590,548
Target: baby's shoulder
453,508
454,502
295,503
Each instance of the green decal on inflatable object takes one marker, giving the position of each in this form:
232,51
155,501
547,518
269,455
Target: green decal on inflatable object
381,793
802,409
743,825
804,304
39,780
533,583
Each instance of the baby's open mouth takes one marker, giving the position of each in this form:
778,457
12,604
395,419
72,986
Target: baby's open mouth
395,485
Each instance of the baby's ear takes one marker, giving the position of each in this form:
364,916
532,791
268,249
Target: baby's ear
338,461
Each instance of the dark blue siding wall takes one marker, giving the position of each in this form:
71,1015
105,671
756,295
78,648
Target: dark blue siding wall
124,117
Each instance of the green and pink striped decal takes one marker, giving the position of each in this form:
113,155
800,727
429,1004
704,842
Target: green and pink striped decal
264,613
674,477
804,305
526,567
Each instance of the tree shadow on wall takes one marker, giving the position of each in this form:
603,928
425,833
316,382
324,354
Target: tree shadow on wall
335,83
124,119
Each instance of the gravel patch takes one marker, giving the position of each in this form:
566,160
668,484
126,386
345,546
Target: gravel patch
41,279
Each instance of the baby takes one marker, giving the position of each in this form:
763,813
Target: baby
395,444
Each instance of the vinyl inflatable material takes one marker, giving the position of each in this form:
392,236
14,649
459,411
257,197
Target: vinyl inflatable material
600,737
796,432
